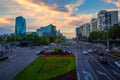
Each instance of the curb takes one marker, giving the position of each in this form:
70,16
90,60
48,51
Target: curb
3,58
113,55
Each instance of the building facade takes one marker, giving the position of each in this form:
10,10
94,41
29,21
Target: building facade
85,30
46,31
93,25
119,23
20,26
77,32
113,17
106,19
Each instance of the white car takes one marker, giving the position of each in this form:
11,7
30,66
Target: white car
117,63
85,52
107,50
90,51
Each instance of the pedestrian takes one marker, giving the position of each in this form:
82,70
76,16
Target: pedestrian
6,48
10,50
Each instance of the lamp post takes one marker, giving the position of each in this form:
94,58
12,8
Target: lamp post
15,39
107,39
98,41
118,39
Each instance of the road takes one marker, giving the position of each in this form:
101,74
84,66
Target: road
89,68
18,60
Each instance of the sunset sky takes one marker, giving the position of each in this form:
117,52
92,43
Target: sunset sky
66,15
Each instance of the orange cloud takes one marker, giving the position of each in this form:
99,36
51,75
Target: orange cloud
4,20
45,14
116,2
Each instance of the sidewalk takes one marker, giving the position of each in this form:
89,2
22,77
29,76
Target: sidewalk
6,54
17,61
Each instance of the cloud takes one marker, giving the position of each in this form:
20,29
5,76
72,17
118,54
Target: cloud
116,2
6,29
5,20
73,6
75,22
43,12
119,16
59,5
46,12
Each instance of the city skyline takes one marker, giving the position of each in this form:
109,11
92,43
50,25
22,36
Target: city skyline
66,15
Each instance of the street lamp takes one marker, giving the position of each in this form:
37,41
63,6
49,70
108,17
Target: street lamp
15,39
107,40
98,41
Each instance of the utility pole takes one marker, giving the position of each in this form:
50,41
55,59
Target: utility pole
15,39
107,40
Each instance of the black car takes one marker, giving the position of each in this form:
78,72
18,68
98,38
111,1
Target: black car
103,60
100,53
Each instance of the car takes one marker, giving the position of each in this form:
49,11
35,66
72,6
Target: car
90,51
103,60
85,52
117,63
45,47
100,53
40,52
96,51
107,50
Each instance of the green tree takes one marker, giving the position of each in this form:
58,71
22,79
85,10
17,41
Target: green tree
92,36
80,36
58,40
114,32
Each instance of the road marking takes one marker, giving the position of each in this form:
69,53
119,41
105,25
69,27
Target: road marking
102,67
102,73
78,76
116,73
77,61
88,75
12,56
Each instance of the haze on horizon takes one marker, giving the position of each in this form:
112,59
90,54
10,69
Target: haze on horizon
66,15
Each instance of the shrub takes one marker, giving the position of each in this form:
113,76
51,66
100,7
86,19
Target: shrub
57,51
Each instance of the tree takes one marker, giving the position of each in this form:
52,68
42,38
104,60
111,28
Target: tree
114,32
79,36
92,36
58,40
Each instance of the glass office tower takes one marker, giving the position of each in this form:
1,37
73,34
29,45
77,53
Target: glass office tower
20,26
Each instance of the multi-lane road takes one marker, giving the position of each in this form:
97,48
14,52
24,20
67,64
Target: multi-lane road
89,68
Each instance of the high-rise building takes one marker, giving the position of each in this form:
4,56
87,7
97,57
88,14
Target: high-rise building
93,26
59,34
85,30
106,19
113,17
20,26
77,31
119,23
46,31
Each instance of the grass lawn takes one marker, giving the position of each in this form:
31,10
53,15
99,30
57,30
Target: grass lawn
115,54
67,44
45,68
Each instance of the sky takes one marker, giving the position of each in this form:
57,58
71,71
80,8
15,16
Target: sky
66,15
